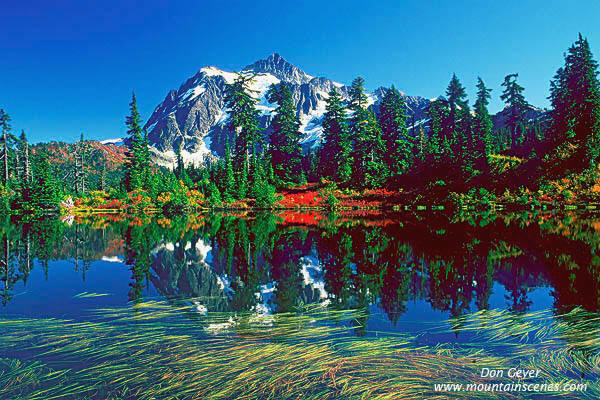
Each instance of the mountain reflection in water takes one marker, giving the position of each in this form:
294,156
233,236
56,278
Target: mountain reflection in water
391,265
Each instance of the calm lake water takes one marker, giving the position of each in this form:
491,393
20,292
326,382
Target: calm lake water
423,275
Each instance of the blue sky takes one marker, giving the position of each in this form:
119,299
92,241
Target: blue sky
69,66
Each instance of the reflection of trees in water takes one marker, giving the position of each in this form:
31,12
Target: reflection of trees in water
45,240
20,245
451,264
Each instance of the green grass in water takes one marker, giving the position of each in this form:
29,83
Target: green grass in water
154,350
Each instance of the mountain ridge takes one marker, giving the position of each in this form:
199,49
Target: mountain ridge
193,117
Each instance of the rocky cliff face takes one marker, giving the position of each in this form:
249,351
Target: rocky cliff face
194,116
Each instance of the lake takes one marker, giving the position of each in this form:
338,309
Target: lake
299,305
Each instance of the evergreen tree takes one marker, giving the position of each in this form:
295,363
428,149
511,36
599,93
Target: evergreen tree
137,163
398,143
335,158
437,113
241,106
458,103
42,193
214,196
371,152
457,130
179,165
258,176
285,151
512,95
482,127
368,169
575,97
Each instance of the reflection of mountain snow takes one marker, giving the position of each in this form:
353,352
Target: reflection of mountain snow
265,298
113,259
225,284
313,275
181,270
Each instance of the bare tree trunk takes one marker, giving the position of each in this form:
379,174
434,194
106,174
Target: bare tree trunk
18,167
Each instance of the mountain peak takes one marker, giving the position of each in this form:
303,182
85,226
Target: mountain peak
278,66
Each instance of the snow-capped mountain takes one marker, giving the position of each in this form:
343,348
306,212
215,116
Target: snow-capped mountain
194,116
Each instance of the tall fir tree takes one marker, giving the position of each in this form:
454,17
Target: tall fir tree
513,97
482,127
437,113
243,120
575,97
399,155
334,156
42,193
285,151
458,103
179,164
137,162
367,147
457,129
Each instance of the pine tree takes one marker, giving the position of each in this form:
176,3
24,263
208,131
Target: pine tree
399,143
137,163
575,97
482,127
512,95
335,158
368,168
457,129
437,113
285,151
457,101
42,192
372,152
241,106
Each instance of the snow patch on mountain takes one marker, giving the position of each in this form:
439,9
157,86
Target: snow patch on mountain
194,92
196,158
214,71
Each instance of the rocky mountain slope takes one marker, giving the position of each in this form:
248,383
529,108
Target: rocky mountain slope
194,116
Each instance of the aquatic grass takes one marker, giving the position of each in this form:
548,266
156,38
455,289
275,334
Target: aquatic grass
159,350
88,295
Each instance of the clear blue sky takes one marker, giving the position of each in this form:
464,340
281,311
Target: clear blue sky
69,66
